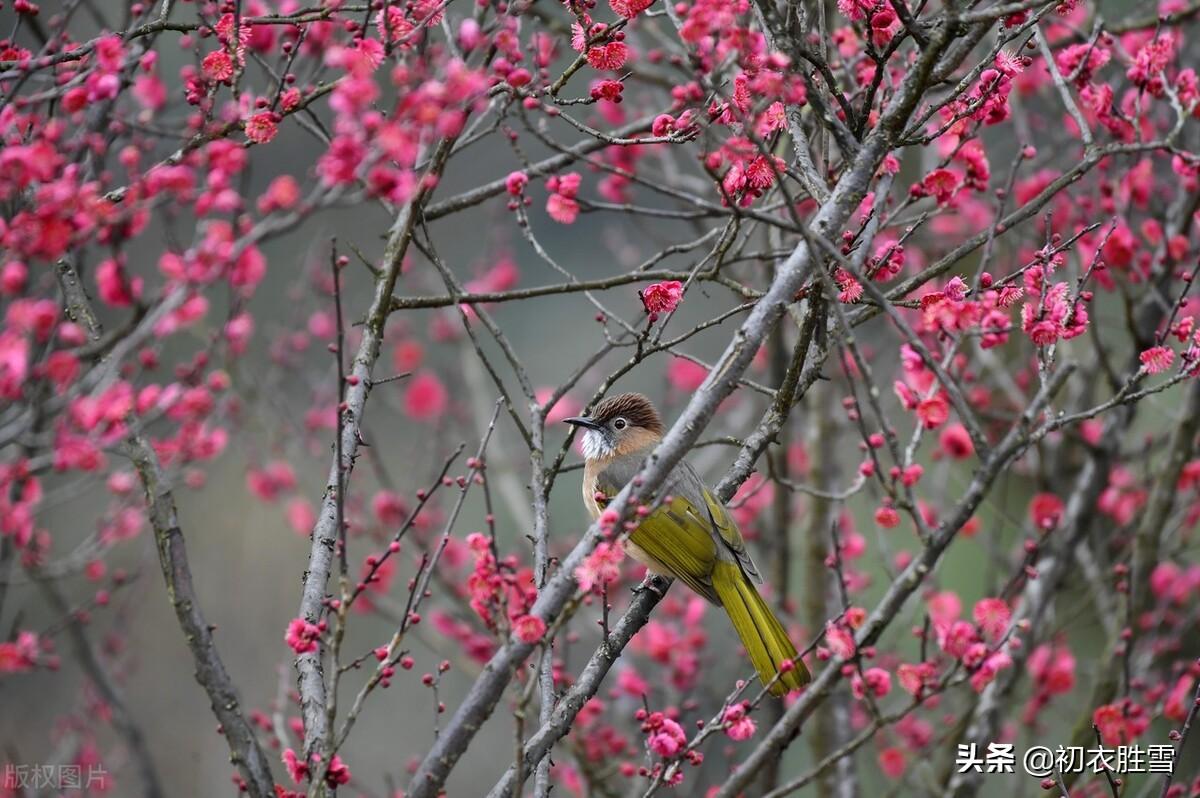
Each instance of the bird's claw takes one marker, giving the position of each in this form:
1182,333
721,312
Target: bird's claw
651,584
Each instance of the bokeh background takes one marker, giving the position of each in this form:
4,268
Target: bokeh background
247,562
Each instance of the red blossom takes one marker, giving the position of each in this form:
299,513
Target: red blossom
1046,510
887,517
562,209
302,636
217,66
737,722
665,737
529,628
686,375
840,641
629,8
661,297
1157,359
941,184
608,56
262,127
1120,723
992,615
956,442
426,397
601,567
515,183
892,762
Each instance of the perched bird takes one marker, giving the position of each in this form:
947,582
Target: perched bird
690,536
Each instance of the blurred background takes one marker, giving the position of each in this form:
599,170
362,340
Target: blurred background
247,560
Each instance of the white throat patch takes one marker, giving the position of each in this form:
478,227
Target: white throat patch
595,445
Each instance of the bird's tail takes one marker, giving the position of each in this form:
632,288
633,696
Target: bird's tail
760,631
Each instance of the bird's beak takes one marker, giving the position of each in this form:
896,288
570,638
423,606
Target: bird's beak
581,421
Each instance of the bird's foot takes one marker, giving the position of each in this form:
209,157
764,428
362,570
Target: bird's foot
651,583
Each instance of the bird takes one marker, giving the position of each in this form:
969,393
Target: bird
690,536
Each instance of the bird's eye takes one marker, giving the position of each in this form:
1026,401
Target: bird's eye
620,423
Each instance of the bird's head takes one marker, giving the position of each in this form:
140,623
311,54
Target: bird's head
619,425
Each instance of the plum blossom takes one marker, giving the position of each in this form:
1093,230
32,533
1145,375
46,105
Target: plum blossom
875,681
529,628
1157,359
839,640
992,615
426,397
665,737
661,297
737,721
562,205
601,567
1046,510
1120,723
302,636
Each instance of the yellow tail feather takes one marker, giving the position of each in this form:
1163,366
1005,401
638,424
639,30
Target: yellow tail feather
761,633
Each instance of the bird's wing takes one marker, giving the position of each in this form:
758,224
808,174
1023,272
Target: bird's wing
687,482
677,538
687,534
682,543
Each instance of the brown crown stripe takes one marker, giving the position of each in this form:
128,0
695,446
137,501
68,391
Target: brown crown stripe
636,409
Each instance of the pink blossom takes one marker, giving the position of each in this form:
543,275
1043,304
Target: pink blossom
20,655
989,669
1052,668
608,56
1178,702
408,355
564,407
686,375
944,607
875,681
661,297
738,723
934,411
992,615
667,739
887,517
956,442
302,636
892,762
515,183
941,184
262,127
217,66
300,516
601,567
915,678
337,773
1120,723
529,628
1046,510
114,286
389,508
273,479
839,641
562,209
238,331
631,683
425,397
629,8
956,638
1157,359
296,767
